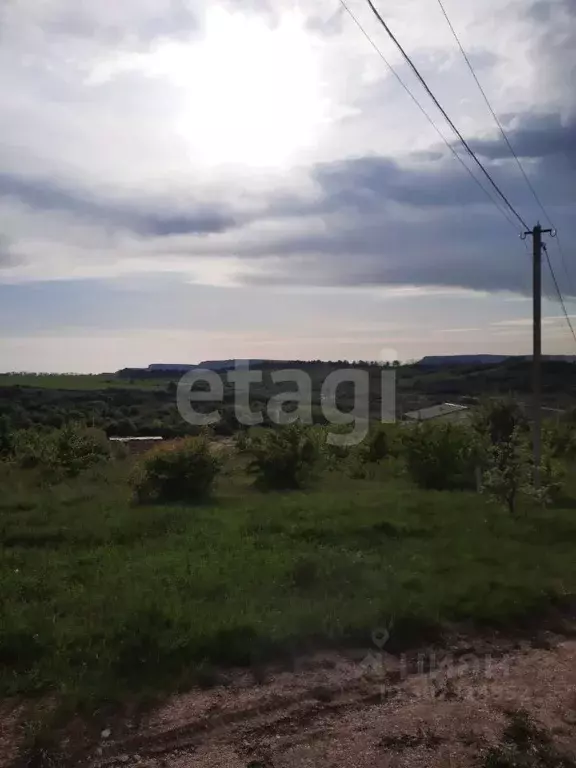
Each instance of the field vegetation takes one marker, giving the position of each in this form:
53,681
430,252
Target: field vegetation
128,576
132,403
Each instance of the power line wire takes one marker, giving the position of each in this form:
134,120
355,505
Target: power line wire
463,141
494,115
506,139
559,292
426,87
564,262
502,210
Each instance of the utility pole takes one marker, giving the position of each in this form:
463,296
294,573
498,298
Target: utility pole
537,233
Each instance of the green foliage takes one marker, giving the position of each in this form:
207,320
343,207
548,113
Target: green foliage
284,458
6,436
552,475
33,448
68,451
101,597
497,419
509,471
560,439
181,470
526,745
77,448
375,446
333,454
241,441
441,456
509,474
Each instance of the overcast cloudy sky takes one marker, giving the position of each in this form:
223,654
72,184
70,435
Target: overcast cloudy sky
192,179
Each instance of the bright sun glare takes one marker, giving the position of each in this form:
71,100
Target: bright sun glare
251,94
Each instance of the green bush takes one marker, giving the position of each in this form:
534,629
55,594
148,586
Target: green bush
34,448
441,456
78,448
560,439
66,451
333,454
375,445
552,477
241,440
284,458
181,470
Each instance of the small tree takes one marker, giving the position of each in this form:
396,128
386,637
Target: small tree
509,471
510,474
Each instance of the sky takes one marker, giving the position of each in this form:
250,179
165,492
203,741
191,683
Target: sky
183,180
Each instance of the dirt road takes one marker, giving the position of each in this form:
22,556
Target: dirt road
366,709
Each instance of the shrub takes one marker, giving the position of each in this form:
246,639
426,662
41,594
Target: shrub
77,448
241,440
552,475
284,458
34,448
181,470
67,451
560,439
375,445
333,454
441,456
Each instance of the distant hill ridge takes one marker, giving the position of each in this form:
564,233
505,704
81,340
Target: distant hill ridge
214,365
429,361
441,360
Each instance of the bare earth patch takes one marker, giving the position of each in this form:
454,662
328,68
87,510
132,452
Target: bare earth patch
362,709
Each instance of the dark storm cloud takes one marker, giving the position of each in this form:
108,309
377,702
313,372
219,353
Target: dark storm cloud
426,225
202,224
543,11
41,195
428,181
367,181
474,252
537,136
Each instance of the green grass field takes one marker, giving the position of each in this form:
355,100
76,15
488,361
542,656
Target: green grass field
101,598
77,381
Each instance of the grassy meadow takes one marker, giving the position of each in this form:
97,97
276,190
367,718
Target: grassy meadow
102,598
